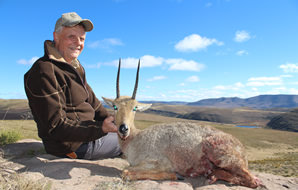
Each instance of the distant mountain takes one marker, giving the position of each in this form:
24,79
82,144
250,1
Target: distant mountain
286,121
257,102
165,102
14,109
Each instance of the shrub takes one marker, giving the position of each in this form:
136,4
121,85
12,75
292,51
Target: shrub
8,137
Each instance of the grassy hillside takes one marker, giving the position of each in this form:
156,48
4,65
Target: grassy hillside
19,109
238,116
13,104
257,102
286,121
14,109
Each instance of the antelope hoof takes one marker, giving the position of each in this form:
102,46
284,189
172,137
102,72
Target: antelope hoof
125,175
179,177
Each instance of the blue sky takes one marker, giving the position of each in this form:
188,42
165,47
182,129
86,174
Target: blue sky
189,49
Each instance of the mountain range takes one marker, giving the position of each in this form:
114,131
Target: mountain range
280,111
257,102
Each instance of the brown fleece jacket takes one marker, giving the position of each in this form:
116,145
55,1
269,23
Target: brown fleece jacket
63,105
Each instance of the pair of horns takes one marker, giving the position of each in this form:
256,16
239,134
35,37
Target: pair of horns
136,84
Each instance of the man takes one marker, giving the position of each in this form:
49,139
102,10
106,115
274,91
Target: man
71,121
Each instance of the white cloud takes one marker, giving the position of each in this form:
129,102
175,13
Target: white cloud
242,36
155,78
184,65
195,42
289,67
27,62
105,43
220,87
239,85
264,81
286,76
235,86
131,62
152,61
293,91
146,61
193,79
241,52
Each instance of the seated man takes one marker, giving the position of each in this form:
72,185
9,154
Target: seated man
71,121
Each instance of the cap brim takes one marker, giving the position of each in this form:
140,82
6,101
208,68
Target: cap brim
86,23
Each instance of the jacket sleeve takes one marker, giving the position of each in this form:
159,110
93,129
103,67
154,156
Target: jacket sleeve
100,111
48,102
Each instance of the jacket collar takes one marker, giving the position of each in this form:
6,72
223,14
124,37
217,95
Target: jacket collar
54,54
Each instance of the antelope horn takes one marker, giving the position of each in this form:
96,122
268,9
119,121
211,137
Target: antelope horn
136,84
117,82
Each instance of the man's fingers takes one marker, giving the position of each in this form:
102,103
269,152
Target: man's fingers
108,125
110,118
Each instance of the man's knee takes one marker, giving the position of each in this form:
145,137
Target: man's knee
105,147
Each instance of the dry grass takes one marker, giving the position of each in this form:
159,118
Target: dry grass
16,182
27,128
13,104
115,185
284,164
11,180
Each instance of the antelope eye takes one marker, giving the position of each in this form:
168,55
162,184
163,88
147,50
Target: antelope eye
135,108
115,107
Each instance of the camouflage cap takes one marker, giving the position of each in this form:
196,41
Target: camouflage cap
73,19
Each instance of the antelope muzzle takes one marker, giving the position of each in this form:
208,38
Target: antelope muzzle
123,131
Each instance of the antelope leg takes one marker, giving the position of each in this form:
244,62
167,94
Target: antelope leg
148,174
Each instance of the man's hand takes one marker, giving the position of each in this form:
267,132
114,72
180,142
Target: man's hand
108,125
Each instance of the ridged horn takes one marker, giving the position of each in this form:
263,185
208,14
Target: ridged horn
117,82
137,81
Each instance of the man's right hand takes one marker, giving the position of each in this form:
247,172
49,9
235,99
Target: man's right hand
108,125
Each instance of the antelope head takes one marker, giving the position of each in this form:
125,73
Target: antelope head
125,108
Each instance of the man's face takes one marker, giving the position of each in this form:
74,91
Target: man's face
70,42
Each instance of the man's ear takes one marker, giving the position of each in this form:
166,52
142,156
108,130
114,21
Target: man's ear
143,107
108,101
56,37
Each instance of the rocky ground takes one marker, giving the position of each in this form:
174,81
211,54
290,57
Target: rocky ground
25,162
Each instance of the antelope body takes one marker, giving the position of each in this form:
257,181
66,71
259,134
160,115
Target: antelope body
162,151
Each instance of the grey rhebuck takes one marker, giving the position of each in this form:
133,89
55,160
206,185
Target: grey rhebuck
165,151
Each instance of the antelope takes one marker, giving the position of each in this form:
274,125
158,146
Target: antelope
175,150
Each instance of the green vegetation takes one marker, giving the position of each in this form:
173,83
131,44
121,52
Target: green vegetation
27,128
8,137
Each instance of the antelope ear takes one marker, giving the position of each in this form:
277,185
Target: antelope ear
143,107
108,101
